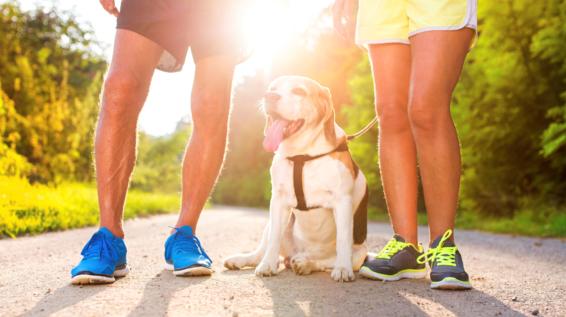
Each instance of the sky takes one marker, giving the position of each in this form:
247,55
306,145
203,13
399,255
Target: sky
270,25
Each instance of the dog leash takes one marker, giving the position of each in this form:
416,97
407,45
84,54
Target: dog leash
362,131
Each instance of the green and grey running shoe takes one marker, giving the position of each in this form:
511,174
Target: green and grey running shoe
446,265
397,260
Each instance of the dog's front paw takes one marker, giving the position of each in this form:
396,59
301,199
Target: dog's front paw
301,265
236,262
266,269
342,274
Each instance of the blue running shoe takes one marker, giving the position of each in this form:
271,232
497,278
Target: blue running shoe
184,254
104,258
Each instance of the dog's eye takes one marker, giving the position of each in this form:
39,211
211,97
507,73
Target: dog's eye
299,91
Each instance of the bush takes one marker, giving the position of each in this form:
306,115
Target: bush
31,209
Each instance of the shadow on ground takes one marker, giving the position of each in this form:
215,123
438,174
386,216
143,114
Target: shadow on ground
319,295
157,294
62,298
156,297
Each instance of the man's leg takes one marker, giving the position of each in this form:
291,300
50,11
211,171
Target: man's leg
391,66
437,60
125,90
210,106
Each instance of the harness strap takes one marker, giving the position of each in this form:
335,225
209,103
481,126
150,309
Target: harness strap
298,184
298,164
360,216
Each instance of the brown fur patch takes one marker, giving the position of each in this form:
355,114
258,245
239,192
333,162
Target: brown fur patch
347,160
326,113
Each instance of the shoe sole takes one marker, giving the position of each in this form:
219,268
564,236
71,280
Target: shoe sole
191,271
87,279
409,274
451,283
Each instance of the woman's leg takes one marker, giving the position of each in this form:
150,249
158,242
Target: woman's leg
391,66
437,60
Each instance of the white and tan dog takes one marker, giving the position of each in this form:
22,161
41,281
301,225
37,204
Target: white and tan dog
301,130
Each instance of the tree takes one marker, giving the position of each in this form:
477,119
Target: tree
51,74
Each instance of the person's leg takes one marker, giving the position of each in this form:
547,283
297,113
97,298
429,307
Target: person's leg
204,155
391,66
437,60
125,90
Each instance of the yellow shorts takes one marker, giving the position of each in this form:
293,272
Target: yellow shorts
394,21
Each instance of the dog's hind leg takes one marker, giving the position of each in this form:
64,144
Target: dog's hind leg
250,259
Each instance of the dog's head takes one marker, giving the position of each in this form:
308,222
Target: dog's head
299,110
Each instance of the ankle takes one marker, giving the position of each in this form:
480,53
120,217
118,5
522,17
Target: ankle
116,230
412,239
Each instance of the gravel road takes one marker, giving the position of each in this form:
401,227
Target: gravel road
512,276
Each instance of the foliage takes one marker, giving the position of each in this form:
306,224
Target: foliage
49,85
30,209
509,109
364,149
245,176
159,160
512,81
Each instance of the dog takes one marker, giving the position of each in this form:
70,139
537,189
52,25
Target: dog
318,208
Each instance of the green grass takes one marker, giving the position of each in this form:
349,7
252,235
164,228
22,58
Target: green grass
542,223
525,222
31,209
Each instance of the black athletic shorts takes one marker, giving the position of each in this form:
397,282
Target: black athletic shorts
209,27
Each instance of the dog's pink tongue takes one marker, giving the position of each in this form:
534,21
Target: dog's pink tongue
274,135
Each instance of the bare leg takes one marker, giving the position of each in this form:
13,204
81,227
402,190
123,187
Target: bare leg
437,60
391,66
205,153
125,90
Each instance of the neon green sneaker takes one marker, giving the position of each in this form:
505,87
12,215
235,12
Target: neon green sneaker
446,265
397,260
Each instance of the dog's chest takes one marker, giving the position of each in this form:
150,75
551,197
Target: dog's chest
321,180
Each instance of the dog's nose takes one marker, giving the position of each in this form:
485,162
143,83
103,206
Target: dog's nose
272,97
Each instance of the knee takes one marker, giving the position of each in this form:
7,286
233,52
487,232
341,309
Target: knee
393,117
209,111
427,111
122,96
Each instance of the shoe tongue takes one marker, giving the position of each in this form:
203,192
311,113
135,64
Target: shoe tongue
398,238
185,231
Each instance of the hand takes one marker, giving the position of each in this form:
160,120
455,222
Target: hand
110,7
344,15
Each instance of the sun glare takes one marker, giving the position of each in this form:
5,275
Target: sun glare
270,26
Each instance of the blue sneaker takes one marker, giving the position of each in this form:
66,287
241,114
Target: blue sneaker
184,254
104,258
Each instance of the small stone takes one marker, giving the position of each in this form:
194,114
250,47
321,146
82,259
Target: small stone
515,299
537,243
535,312
231,297
234,314
158,275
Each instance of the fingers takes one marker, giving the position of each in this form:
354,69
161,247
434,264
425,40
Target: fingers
110,7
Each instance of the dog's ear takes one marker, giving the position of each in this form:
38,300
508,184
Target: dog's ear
329,117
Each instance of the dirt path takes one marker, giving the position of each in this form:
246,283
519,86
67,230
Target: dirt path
512,276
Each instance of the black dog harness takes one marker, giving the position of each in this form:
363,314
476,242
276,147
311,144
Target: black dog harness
360,216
